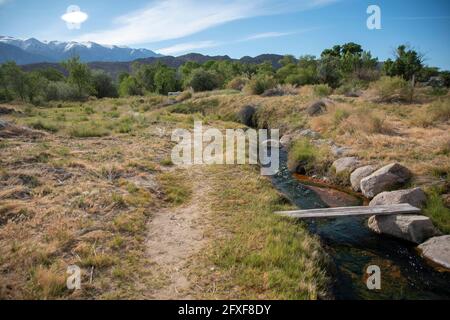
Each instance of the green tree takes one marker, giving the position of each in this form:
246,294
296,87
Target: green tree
15,80
35,85
165,80
79,75
51,74
103,85
407,64
129,86
203,80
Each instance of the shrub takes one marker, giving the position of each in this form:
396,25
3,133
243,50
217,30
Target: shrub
61,91
237,83
440,110
322,90
185,95
129,86
40,124
202,80
351,88
88,131
280,90
390,89
103,85
259,84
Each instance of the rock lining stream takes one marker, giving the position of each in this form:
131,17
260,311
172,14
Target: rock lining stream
353,247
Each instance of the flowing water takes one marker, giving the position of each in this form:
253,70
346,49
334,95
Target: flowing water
353,247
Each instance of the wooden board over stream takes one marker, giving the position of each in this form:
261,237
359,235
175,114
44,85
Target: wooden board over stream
351,211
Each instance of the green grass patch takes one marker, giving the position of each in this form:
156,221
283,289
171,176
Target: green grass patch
177,188
90,130
437,211
263,256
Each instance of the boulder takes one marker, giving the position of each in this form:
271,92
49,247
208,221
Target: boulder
308,133
415,197
316,108
385,179
247,116
359,174
347,164
340,151
287,140
437,250
413,228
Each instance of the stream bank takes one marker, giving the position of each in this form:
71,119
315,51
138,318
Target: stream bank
353,247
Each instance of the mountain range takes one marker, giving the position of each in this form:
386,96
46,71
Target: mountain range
33,54
35,51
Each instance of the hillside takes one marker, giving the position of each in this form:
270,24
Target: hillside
115,68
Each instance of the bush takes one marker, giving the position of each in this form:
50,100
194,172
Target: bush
389,89
322,90
440,110
281,90
259,84
351,88
129,86
237,83
202,80
40,124
103,85
61,91
87,131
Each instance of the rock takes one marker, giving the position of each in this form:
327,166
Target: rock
247,116
359,174
287,140
415,197
340,151
347,164
10,130
308,133
385,179
413,228
316,108
437,250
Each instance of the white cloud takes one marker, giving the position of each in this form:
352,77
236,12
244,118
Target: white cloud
173,19
267,35
186,47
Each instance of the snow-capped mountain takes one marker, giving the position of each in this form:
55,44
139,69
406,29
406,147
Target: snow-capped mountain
56,51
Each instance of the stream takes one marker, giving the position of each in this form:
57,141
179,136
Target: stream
353,247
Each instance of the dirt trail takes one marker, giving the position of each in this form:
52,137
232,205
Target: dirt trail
175,235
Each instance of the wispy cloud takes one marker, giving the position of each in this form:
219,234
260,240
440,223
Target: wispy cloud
267,35
422,18
186,47
174,19
190,46
4,1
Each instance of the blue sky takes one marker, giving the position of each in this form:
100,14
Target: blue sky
238,28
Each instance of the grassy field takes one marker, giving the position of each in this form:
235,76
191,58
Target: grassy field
84,191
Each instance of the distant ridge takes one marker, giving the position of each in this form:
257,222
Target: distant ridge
115,68
33,51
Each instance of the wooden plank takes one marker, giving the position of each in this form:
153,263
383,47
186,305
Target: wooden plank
351,211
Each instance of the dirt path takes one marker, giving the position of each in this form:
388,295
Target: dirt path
175,235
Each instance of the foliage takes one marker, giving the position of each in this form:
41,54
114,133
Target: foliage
259,84
202,80
79,75
103,85
407,64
